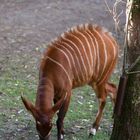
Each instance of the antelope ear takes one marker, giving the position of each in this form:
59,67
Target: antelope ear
59,104
30,107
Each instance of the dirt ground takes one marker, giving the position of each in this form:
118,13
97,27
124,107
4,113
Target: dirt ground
26,25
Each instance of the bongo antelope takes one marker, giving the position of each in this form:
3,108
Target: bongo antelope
85,54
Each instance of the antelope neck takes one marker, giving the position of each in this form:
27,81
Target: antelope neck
45,95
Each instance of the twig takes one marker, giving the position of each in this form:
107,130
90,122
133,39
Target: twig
134,64
114,14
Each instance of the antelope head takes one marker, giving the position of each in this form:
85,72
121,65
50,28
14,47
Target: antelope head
43,121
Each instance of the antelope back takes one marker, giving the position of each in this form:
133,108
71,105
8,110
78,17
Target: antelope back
84,54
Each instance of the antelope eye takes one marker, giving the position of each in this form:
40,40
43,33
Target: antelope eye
39,123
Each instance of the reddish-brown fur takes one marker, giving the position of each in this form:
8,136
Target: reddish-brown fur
59,74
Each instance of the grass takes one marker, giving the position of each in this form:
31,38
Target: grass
17,124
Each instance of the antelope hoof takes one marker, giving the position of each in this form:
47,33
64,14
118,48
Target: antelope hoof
61,137
92,132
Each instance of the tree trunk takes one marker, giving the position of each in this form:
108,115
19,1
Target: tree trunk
127,125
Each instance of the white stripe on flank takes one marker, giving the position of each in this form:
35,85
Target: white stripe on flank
105,53
65,55
77,56
114,49
85,49
97,53
90,45
61,67
114,52
69,46
71,58
89,65
94,57
112,45
86,72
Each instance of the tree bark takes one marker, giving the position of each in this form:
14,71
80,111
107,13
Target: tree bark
127,125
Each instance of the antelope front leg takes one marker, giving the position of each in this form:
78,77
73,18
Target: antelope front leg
61,114
60,129
101,94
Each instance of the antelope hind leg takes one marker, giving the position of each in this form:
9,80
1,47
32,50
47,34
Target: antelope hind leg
101,95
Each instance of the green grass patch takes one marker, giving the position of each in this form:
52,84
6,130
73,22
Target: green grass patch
16,123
